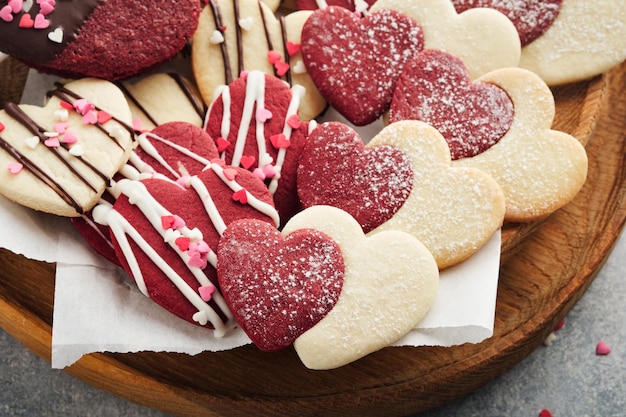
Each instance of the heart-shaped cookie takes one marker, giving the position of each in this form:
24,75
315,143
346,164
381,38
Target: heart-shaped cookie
173,150
353,5
390,283
538,169
165,235
68,150
278,286
107,39
586,39
163,97
436,89
256,125
483,38
452,211
530,17
337,170
357,69
245,35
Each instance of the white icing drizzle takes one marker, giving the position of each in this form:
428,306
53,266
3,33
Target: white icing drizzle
122,230
321,4
297,93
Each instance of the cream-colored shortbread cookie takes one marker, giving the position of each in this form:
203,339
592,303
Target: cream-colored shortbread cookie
587,38
390,283
164,97
453,210
238,36
59,158
538,169
483,38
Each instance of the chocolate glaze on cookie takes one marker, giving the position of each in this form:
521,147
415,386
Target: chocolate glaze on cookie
32,44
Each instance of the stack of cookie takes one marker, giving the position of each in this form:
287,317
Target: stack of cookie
222,193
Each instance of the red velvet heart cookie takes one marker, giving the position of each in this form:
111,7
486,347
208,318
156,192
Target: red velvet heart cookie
530,17
166,236
110,39
355,6
337,170
255,124
354,61
435,88
173,150
278,286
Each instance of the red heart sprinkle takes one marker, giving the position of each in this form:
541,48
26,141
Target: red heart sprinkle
292,48
545,413
26,22
280,141
281,68
103,117
560,325
273,57
222,144
66,105
2,127
167,222
182,243
294,121
241,196
247,161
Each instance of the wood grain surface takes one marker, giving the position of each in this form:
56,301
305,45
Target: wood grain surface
546,268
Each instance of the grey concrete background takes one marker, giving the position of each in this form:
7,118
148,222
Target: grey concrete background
567,377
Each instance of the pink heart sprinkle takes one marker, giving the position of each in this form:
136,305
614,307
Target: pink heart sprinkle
269,171
6,14
2,127
545,413
602,348
52,143
16,5
273,57
41,22
203,247
247,161
60,127
222,144
259,173
26,22
83,106
196,260
45,8
103,117
219,162
241,196
90,118
292,48
294,121
206,292
178,223
263,115
182,243
15,167
182,181
69,137
230,173
137,125
281,68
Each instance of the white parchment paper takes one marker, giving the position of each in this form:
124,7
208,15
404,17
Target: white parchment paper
97,307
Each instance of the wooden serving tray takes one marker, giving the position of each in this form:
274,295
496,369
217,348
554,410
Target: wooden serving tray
546,268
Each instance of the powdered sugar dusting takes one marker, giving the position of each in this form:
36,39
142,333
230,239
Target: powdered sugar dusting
278,287
531,18
435,88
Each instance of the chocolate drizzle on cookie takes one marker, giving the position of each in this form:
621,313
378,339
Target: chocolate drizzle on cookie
38,35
